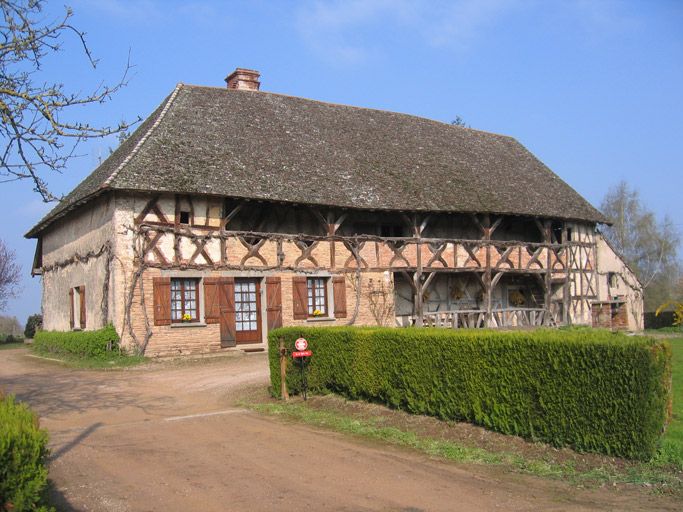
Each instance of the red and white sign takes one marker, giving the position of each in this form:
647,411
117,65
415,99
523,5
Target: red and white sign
302,353
301,344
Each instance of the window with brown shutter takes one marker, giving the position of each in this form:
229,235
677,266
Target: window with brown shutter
72,323
226,298
162,300
274,302
184,300
81,302
339,289
299,297
212,307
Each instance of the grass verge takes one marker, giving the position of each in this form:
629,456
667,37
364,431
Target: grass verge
671,451
94,363
648,475
8,346
664,473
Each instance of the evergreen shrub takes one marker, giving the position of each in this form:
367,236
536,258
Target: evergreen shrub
23,454
33,324
592,390
83,344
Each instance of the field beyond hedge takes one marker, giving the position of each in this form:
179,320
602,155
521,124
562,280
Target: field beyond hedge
591,390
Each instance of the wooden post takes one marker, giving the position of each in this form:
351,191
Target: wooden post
419,302
488,273
283,371
548,266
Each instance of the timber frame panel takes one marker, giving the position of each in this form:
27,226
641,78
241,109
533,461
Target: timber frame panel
568,264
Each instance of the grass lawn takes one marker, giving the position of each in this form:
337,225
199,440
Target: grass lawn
671,451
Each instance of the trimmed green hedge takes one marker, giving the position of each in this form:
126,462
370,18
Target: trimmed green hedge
23,454
591,390
10,338
93,344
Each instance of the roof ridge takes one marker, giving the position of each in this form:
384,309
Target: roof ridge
144,138
353,107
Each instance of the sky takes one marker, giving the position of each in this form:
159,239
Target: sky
592,88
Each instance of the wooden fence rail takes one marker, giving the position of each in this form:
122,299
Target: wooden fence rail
476,318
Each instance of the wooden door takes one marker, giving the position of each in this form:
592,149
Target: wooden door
247,311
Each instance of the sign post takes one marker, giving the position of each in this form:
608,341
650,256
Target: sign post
302,354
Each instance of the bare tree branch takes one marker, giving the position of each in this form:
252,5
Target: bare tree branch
36,134
10,275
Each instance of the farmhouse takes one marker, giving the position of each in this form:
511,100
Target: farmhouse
232,211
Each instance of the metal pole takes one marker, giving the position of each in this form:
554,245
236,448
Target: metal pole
303,376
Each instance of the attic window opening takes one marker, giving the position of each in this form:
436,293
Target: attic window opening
184,218
557,228
611,279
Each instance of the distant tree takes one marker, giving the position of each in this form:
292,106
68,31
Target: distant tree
459,121
10,275
33,324
38,132
9,325
649,246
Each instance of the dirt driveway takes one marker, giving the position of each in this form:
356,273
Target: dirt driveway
169,437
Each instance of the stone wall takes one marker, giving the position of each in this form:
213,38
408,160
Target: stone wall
610,315
84,233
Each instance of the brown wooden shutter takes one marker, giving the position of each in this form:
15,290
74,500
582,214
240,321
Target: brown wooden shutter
81,300
162,300
274,302
339,289
72,323
226,297
299,297
212,309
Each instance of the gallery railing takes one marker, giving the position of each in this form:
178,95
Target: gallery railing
476,318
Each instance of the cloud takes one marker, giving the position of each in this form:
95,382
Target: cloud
352,31
337,30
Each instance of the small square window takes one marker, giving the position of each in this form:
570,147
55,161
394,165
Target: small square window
184,217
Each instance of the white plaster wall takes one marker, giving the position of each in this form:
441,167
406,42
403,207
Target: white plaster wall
78,233
625,283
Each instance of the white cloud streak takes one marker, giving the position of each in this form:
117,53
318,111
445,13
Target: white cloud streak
334,29
337,30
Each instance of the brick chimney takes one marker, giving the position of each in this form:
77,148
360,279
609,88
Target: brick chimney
245,79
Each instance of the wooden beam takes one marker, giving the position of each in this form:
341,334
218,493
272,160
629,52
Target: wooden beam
231,215
148,207
428,281
495,225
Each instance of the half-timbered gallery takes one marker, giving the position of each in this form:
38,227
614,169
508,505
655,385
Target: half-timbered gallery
232,211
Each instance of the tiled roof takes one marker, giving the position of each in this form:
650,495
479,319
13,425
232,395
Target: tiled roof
265,146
